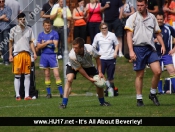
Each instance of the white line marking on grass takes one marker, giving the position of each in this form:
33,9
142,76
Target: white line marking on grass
19,106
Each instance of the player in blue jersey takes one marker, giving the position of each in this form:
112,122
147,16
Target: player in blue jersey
47,41
167,31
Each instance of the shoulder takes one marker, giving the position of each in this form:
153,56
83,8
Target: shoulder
72,55
88,47
55,6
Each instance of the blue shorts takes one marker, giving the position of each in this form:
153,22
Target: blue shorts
145,55
48,61
166,59
109,66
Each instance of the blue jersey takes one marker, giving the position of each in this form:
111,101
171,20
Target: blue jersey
167,31
53,35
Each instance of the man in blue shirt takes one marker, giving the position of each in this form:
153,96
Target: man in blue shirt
47,42
5,15
167,31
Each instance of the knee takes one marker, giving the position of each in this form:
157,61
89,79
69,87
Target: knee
158,72
69,80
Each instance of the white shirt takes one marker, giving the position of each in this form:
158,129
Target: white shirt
106,45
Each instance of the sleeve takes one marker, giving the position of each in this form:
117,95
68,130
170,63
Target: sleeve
68,12
74,64
103,3
172,5
11,35
32,38
155,3
8,12
120,3
44,8
130,22
172,31
115,40
53,11
95,53
39,40
94,44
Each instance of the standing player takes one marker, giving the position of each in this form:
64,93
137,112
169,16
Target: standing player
47,42
140,29
21,40
80,60
166,31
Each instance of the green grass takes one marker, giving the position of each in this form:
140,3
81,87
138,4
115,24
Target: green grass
80,105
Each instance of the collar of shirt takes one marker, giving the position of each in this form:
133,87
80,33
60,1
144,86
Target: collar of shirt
101,35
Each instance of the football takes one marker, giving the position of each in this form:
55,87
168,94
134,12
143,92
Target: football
100,82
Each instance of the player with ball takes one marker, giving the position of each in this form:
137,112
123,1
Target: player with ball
80,60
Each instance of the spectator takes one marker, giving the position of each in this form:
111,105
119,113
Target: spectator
169,11
80,58
107,44
21,40
47,42
142,49
58,24
5,15
15,7
94,17
167,31
153,6
111,17
46,10
79,21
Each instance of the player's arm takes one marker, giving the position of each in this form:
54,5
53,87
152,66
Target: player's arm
159,38
44,44
130,45
43,15
156,10
32,46
10,50
55,42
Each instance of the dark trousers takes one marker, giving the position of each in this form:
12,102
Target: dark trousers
60,31
93,29
4,44
80,31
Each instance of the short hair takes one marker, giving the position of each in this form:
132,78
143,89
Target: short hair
80,0
79,41
160,14
103,23
47,21
142,1
21,15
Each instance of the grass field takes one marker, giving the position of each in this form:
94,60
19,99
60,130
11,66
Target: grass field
81,105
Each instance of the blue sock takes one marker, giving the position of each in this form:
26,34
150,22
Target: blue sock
160,86
173,82
101,100
60,88
65,100
48,90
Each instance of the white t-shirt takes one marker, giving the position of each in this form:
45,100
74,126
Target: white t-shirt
106,45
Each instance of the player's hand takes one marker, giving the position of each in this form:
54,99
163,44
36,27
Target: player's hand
11,58
92,80
115,55
163,50
49,41
132,56
101,75
35,56
171,52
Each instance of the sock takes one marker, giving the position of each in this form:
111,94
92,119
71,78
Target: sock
153,91
101,100
173,81
65,101
139,96
27,84
160,86
47,83
59,85
17,84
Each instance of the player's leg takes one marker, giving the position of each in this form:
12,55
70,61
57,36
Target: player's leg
47,82
17,63
26,70
58,81
70,74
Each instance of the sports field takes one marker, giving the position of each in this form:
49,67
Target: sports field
80,105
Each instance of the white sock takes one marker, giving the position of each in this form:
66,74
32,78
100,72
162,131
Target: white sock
139,96
27,85
17,84
153,91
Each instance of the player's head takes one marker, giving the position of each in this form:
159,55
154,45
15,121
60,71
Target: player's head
22,19
78,46
103,27
160,18
47,25
142,6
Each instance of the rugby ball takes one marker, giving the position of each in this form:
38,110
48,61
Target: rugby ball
100,82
